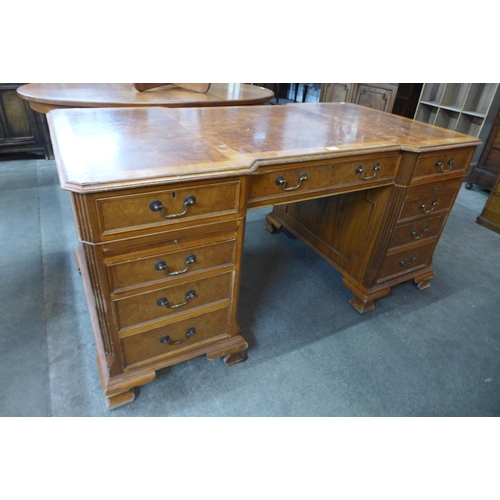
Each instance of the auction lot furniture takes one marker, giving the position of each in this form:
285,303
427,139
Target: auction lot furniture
22,131
46,96
160,199
489,171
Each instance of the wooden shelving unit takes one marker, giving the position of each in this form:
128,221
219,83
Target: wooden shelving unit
469,108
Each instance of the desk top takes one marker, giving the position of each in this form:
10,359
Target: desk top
103,149
46,96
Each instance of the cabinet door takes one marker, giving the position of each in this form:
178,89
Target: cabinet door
15,125
379,96
21,129
336,92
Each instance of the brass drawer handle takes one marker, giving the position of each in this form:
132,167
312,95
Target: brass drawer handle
439,164
414,233
280,181
423,207
157,206
161,265
189,332
402,262
361,170
164,302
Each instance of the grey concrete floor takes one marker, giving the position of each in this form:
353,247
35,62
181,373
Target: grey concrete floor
420,353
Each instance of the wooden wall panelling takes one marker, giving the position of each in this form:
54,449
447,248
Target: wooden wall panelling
379,96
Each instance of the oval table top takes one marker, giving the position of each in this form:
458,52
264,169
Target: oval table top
44,97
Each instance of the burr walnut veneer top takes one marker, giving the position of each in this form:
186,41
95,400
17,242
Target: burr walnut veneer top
100,149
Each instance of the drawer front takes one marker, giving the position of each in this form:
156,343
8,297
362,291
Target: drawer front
159,304
417,231
443,163
160,265
166,207
405,261
435,198
276,185
176,338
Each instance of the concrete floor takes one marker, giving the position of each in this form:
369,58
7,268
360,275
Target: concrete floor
420,353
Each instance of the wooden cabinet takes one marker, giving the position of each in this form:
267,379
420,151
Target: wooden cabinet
490,216
487,175
21,129
379,96
469,108
161,266
487,170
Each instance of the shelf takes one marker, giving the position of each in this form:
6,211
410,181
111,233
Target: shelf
468,124
430,103
468,108
456,109
457,106
432,92
480,97
426,113
454,95
474,113
447,119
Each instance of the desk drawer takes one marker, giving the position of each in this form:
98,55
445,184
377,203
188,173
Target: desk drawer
443,163
417,231
406,261
180,298
176,338
275,185
156,209
429,199
162,264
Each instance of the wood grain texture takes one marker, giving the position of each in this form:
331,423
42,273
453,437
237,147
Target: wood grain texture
44,97
147,146
196,87
377,226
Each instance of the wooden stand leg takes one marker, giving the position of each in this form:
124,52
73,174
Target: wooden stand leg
232,350
363,301
235,357
362,306
272,225
120,399
119,390
423,280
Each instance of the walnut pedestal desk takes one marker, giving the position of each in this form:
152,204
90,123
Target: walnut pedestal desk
160,197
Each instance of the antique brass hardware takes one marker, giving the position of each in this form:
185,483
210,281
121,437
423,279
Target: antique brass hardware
423,207
162,266
280,181
189,332
361,170
157,206
402,262
414,233
439,164
164,302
